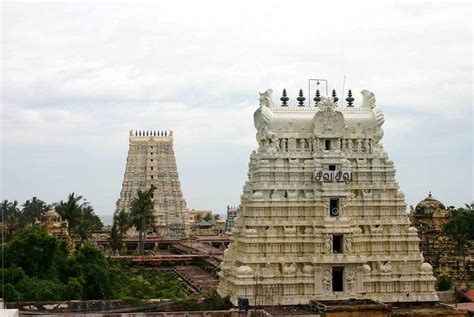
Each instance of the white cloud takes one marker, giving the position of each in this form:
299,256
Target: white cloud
76,71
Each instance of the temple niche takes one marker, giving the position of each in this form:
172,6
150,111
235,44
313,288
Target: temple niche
429,217
322,216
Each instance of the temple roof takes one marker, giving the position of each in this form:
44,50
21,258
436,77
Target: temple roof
428,206
328,118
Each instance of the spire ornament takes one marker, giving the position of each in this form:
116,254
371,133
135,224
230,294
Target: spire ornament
349,99
284,99
334,96
301,99
317,98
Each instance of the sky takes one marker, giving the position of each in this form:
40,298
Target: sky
76,77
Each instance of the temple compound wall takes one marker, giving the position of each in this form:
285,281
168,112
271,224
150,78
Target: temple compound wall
151,161
322,216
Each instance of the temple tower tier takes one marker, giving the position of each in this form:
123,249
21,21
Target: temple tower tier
151,161
322,216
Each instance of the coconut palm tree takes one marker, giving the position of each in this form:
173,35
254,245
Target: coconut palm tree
32,210
142,215
11,217
460,229
119,229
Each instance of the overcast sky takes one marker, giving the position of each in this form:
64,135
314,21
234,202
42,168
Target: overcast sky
77,77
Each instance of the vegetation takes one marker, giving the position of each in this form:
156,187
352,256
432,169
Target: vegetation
443,283
460,228
207,217
80,216
119,229
38,268
197,218
142,215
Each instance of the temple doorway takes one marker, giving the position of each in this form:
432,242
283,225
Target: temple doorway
337,279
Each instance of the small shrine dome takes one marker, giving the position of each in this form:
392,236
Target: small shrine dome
52,216
428,206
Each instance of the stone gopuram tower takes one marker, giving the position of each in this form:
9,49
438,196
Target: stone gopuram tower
322,216
151,161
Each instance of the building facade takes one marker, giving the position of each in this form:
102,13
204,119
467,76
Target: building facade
322,215
151,161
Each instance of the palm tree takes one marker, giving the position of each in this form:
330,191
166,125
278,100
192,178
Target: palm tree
142,215
11,217
119,229
80,216
122,219
33,210
460,229
70,209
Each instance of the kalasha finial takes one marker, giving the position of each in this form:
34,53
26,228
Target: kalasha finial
317,98
284,99
349,99
334,97
301,99
429,194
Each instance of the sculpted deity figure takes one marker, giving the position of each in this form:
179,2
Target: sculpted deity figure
366,145
327,280
316,144
283,145
311,144
385,268
359,145
291,144
350,281
348,244
328,243
274,145
349,145
303,144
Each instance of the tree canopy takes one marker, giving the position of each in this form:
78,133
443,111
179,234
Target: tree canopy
38,268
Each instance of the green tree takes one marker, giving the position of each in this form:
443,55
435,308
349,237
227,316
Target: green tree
38,253
80,216
217,217
119,229
90,266
115,241
207,217
142,215
32,210
460,228
197,218
11,217
443,283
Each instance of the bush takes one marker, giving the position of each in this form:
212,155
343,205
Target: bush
443,283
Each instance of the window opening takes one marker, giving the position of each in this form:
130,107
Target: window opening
337,279
327,144
334,207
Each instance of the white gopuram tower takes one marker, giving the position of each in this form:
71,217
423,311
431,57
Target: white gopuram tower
151,161
322,215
